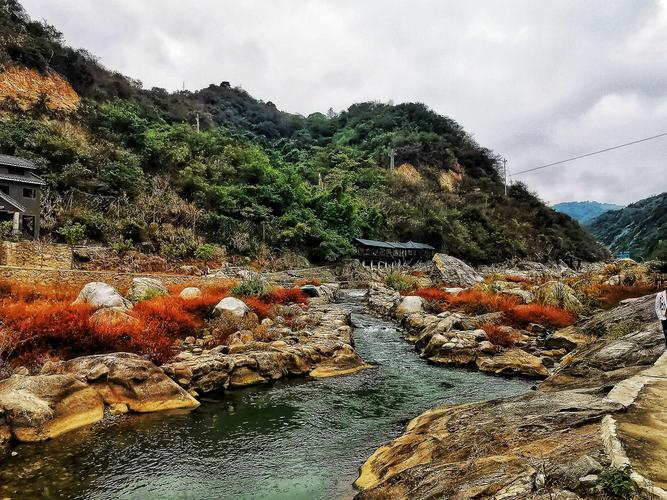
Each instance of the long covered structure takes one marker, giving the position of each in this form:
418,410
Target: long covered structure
370,252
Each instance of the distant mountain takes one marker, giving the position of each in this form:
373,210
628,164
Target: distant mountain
584,211
640,228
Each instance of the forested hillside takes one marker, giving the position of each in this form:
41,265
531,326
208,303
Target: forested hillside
640,228
584,211
127,167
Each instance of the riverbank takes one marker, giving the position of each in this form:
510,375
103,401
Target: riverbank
232,350
598,412
292,438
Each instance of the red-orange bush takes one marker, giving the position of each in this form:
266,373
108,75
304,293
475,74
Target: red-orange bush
430,294
471,301
12,291
541,314
285,296
261,308
498,335
474,301
611,295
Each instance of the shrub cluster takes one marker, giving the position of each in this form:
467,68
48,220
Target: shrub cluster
498,335
400,281
37,323
550,316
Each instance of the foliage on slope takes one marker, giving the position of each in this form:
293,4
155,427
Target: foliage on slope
131,170
640,228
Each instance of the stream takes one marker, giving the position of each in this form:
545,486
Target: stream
295,439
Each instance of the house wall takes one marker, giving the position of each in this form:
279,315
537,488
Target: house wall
35,254
32,205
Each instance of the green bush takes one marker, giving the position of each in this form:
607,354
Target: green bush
6,229
400,281
73,233
252,286
615,482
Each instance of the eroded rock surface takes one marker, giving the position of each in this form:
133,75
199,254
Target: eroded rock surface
324,350
604,406
488,449
72,394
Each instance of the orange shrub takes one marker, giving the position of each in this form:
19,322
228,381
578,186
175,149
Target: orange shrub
285,296
541,314
474,301
167,316
261,308
498,335
515,279
14,291
611,295
471,301
430,294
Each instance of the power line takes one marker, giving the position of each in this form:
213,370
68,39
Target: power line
591,154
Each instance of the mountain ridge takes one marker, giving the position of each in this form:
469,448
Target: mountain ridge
584,211
640,228
253,178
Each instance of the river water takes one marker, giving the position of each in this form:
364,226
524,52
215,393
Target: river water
294,440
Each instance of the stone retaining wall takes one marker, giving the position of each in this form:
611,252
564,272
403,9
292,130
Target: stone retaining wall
35,254
73,277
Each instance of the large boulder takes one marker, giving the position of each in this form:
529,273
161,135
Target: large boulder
99,295
344,362
513,362
231,305
454,271
125,381
409,305
40,407
143,288
490,449
605,362
113,317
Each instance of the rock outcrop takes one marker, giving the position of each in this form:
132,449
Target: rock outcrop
99,295
455,272
454,339
603,407
72,394
323,350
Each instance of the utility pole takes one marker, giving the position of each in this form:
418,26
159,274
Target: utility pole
197,118
392,156
505,174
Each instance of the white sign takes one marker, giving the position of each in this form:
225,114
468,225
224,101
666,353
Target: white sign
661,305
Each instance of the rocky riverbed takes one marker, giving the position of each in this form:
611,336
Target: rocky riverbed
455,339
66,395
603,406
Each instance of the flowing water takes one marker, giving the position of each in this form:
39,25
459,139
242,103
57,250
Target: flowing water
296,439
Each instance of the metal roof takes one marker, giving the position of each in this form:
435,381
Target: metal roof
15,161
411,245
5,198
24,179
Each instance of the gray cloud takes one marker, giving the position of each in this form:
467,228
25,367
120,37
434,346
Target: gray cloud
535,81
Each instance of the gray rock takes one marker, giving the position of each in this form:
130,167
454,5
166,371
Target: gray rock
232,305
454,271
409,305
99,295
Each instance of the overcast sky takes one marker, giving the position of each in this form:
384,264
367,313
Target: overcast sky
536,81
